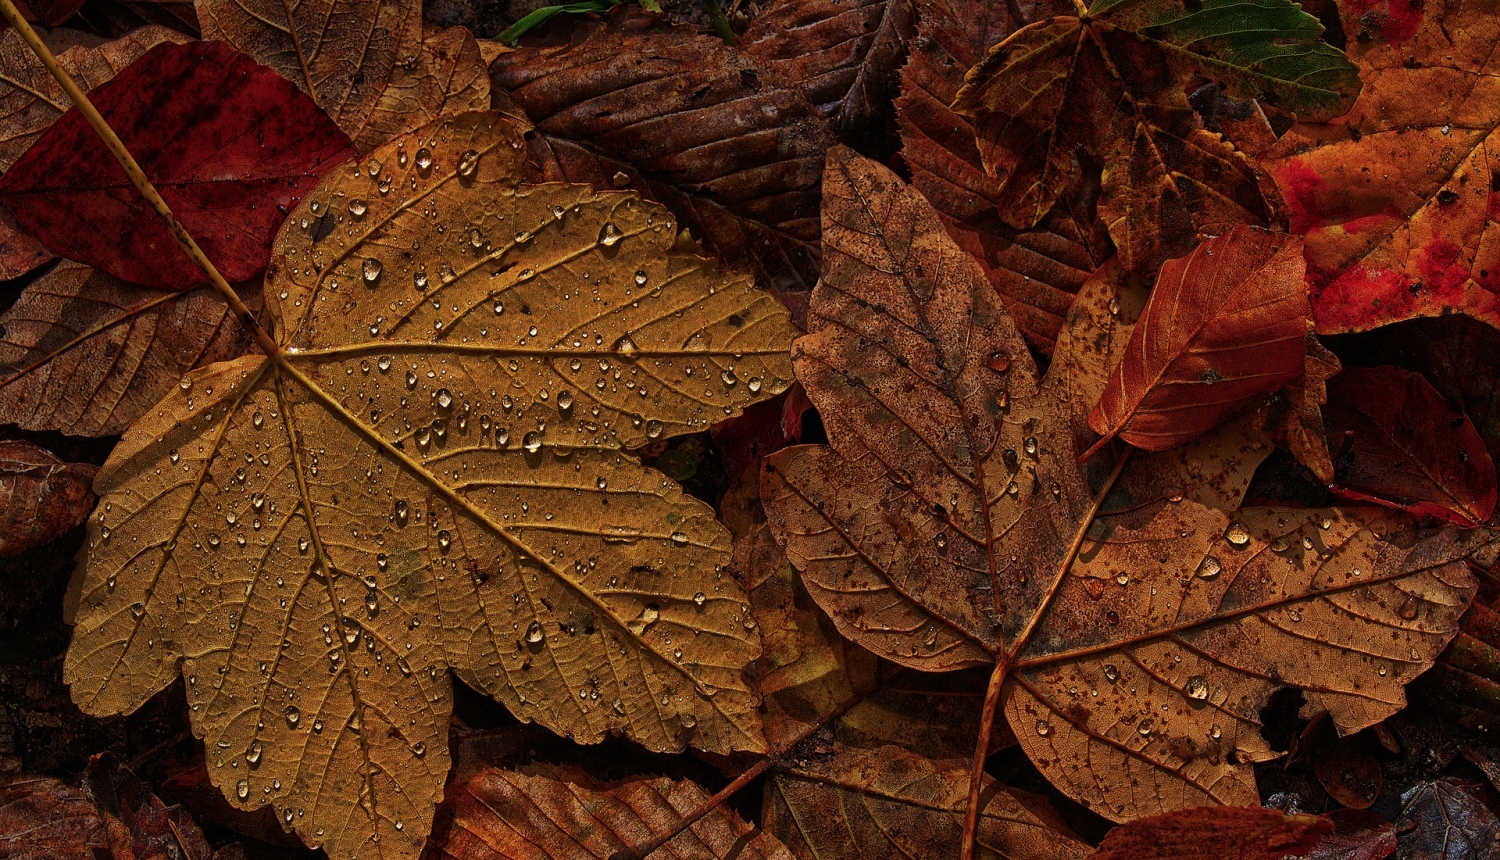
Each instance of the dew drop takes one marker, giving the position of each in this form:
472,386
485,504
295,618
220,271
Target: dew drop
293,716
699,599
625,346
357,208
1111,673
565,400
1237,534
679,539
1043,728
1209,567
610,235
444,540
1145,727
468,163
534,633
424,159
242,789
653,429
402,510
252,755
999,361
640,277
370,270
532,442
1196,688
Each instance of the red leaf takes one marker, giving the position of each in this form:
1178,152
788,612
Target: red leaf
1406,447
231,146
1224,323
40,496
1358,834
1215,831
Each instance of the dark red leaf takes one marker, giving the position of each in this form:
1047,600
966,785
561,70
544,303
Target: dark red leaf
41,496
50,13
1398,442
1215,831
156,829
1357,835
231,146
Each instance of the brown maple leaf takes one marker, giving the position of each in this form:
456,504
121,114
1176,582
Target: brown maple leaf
1136,628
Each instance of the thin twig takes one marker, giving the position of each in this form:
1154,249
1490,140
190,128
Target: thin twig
138,178
720,22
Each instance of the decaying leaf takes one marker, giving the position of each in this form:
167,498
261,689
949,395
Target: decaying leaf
230,146
1447,820
86,353
1112,84
552,813
1296,419
1357,835
722,140
885,803
949,525
1397,200
845,53
43,496
1216,831
1224,323
429,476
1464,685
1401,443
1038,270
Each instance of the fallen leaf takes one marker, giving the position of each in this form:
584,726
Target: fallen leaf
1357,835
1215,831
447,77
49,13
1036,271
435,475
1447,820
1348,770
85,353
358,59
31,100
1092,342
1223,324
1396,200
229,145
1296,419
723,141
1111,85
156,829
884,803
20,252
552,813
940,531
1464,684
43,495
1400,443
845,53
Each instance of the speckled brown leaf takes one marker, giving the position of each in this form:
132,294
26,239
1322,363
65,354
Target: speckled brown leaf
1036,271
346,54
938,530
428,476
447,78
41,496
845,53
85,353
543,812
725,142
30,100
1224,831
885,803
42,818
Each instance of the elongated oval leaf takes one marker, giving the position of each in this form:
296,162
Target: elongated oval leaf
426,477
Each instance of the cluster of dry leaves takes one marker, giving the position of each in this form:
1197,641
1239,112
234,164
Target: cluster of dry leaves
1143,357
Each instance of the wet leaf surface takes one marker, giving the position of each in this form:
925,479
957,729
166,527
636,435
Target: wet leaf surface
428,477
230,145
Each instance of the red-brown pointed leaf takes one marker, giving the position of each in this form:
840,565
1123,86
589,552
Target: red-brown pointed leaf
1224,323
230,145
1215,831
1398,442
40,495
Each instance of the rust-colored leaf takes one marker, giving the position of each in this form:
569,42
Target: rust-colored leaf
41,496
949,525
1036,271
553,813
1224,323
426,475
844,53
885,803
725,142
1397,200
1218,831
1399,442
1347,768
1296,418
86,353
1112,85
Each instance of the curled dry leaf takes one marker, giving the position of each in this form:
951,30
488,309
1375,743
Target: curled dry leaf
1397,200
1037,271
428,476
1216,831
845,53
886,803
229,144
719,138
1400,443
42,495
1224,323
1056,88
85,353
552,813
939,531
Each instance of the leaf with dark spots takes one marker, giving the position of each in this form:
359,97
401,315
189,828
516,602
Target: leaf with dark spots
738,164
1036,271
230,145
86,353
1135,631
845,53
40,495
1397,441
